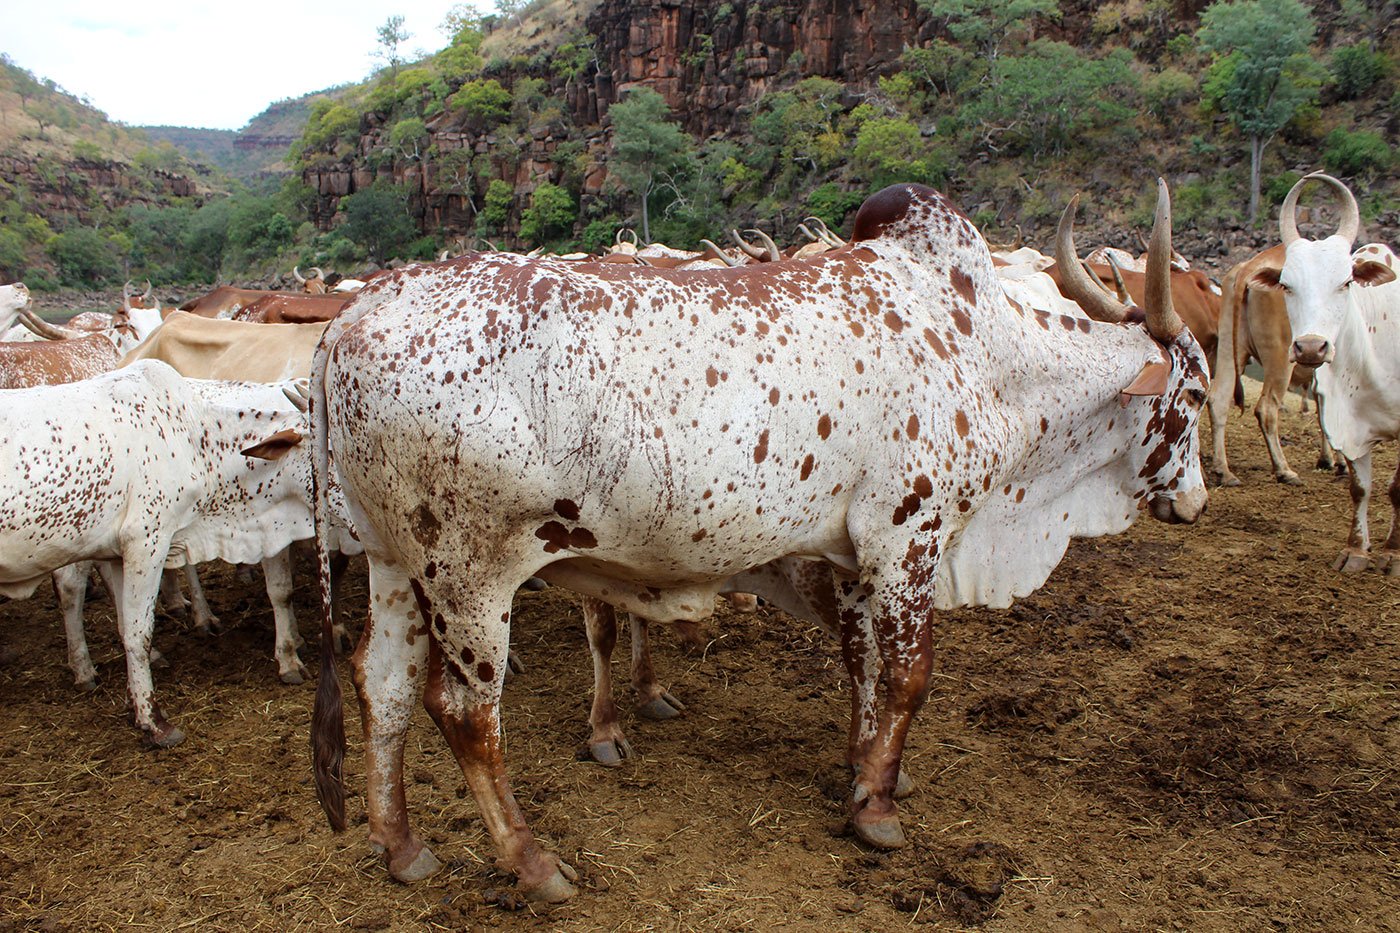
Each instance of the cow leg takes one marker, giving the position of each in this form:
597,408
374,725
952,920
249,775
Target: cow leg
653,700
137,584
389,664
277,570
895,616
606,745
204,618
1356,556
172,601
70,586
1327,458
1222,385
1388,559
1270,400
466,670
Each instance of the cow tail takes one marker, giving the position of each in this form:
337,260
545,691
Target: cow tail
328,717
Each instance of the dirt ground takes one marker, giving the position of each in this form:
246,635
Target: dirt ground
1185,729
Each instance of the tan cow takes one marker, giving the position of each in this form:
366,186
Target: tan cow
205,348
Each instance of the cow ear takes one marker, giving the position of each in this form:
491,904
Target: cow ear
1266,279
1152,380
275,447
1369,272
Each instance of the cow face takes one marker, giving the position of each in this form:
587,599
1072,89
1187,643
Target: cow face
1171,460
1316,280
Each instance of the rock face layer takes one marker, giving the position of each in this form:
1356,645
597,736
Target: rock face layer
707,59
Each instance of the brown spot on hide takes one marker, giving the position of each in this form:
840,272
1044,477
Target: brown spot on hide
486,672
566,509
923,486
807,464
960,420
963,283
760,453
774,395
858,328
908,507
911,427
425,525
468,656
699,535
894,322
557,537
824,427
934,341
962,321
711,377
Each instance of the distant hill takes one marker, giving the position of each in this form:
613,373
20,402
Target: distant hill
258,149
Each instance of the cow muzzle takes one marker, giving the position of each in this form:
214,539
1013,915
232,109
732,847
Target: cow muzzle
1183,510
1311,351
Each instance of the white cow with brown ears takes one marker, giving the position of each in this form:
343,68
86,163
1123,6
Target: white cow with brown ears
1345,316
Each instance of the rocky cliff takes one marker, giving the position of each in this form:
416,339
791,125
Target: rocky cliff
84,189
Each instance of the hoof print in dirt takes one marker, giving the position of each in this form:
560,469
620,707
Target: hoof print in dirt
968,883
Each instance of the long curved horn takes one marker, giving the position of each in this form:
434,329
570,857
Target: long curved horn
641,260
146,295
444,255
1081,288
127,292
753,252
724,257
319,274
1163,322
1122,289
296,274
774,254
824,232
1095,280
43,328
802,228
618,237
1349,228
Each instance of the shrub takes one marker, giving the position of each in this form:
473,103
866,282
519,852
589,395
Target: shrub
483,101
599,234
1278,189
1356,69
551,212
1355,153
831,203
1164,92
890,150
495,209
377,218
84,257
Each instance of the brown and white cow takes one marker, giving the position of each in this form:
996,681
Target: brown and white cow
223,300
1254,325
881,409
278,308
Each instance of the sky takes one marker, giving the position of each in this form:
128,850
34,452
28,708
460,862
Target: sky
195,63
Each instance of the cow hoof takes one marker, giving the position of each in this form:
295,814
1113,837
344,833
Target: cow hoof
158,660
293,678
210,626
903,786
534,585
341,644
167,737
1388,563
743,602
556,889
423,865
513,664
1325,465
86,686
1288,479
610,753
882,832
661,707
1351,562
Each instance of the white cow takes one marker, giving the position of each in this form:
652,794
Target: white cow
1345,317
647,437
143,469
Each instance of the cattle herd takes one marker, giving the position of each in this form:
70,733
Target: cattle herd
860,432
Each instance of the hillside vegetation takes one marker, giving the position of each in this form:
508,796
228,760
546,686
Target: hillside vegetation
554,124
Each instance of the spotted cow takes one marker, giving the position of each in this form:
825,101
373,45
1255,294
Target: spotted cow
1345,318
143,469
648,437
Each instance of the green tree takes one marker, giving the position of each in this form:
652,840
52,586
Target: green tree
647,147
889,150
551,213
391,36
500,196
377,218
988,24
1263,72
1044,100
410,138
206,239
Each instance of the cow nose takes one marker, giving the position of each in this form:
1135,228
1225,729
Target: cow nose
1311,351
